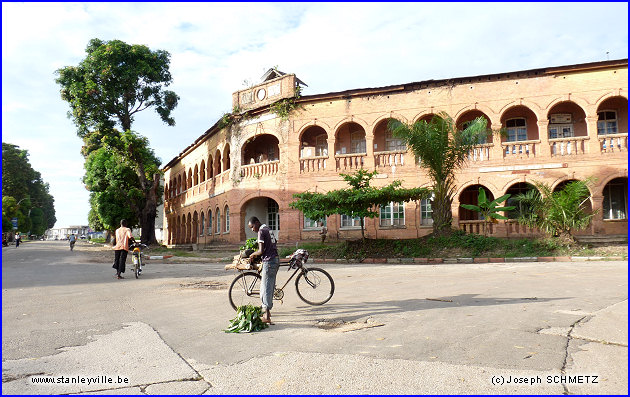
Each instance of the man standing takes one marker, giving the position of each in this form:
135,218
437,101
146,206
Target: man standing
18,238
73,239
269,255
123,235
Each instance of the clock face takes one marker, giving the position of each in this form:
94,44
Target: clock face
261,94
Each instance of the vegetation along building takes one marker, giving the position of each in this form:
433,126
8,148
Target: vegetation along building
559,124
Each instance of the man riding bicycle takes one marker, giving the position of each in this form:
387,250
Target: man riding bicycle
73,239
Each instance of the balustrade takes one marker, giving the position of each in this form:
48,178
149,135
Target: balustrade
313,164
389,158
520,149
568,146
515,229
613,143
260,169
350,161
480,152
476,227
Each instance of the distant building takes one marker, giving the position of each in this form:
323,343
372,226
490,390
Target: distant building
63,232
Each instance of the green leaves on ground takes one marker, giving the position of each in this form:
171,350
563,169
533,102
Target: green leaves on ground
247,320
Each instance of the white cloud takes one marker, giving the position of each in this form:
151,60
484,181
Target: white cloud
214,47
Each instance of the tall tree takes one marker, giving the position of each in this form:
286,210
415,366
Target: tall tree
442,150
360,199
110,85
34,205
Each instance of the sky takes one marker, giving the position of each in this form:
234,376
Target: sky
219,48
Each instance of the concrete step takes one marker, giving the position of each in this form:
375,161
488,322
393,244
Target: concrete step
603,239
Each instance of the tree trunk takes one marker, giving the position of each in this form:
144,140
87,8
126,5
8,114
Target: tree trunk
362,230
149,212
442,216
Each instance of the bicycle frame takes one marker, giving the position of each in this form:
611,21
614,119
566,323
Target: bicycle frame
300,268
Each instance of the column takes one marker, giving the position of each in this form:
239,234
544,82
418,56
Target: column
543,134
592,146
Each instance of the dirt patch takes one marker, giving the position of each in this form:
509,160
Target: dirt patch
213,285
338,325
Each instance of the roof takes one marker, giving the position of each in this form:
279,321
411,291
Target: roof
275,73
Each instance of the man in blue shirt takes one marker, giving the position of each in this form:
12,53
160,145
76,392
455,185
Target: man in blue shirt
269,254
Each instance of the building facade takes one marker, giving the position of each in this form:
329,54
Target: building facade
559,124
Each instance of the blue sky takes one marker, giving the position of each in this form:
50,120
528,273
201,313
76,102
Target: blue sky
215,47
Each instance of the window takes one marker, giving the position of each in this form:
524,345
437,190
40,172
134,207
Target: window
426,212
393,214
227,219
357,142
321,145
560,131
218,216
273,219
616,199
311,224
203,225
607,122
350,221
209,222
516,130
392,143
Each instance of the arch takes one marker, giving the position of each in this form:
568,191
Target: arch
588,207
581,102
607,124
260,149
189,180
196,176
350,119
428,115
226,157
573,125
534,107
391,115
515,114
470,115
166,192
202,171
615,199
266,209
469,196
217,217
209,222
313,142
195,227
226,218
486,110
350,137
313,123
217,162
189,229
384,141
179,184
513,190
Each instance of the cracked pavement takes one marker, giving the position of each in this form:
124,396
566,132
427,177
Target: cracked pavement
389,329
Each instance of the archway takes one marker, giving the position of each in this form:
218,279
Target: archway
615,205
260,149
266,210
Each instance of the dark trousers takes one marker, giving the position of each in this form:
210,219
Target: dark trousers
120,257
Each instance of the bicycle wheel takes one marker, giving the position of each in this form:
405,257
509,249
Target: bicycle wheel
315,286
245,290
136,265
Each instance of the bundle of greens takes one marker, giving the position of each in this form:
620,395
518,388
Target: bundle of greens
247,320
250,244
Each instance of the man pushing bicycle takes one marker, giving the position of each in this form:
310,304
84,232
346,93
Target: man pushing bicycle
271,262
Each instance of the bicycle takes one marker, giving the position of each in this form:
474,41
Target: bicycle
136,257
313,285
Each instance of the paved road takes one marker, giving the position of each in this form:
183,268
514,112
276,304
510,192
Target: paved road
414,329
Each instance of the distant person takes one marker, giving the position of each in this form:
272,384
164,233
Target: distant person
73,239
269,254
121,248
18,238
323,231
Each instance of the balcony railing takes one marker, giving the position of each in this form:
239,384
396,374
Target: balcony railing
521,149
568,146
476,227
350,161
313,164
389,158
480,152
259,170
515,229
612,143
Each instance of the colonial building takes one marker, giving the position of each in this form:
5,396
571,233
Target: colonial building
560,124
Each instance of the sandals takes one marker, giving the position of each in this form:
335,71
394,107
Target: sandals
118,277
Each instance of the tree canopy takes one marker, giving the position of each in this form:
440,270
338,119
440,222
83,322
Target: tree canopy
110,85
360,199
24,194
442,149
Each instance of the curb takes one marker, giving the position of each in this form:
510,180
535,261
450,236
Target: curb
433,261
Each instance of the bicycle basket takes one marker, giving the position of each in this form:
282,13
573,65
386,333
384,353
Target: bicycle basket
298,259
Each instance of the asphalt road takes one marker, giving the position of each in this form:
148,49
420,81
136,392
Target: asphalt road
389,329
